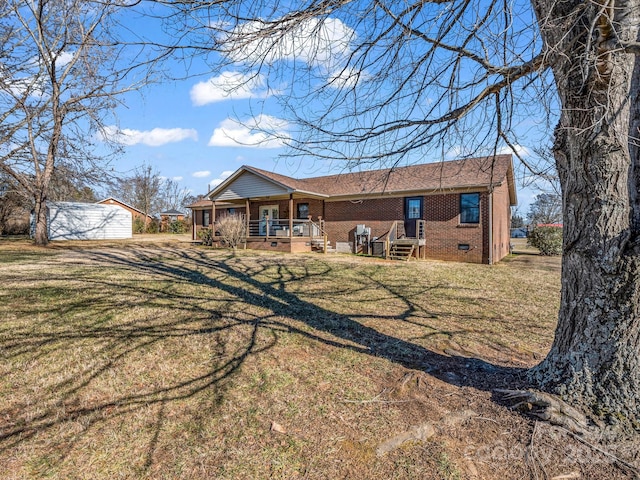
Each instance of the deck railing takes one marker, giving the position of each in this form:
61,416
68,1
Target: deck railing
280,228
392,236
421,228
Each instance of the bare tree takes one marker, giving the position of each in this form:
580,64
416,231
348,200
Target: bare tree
141,189
14,207
70,186
173,196
62,70
232,229
546,208
375,81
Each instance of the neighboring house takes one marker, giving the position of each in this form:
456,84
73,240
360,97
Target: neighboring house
135,213
86,221
168,217
171,216
455,210
519,232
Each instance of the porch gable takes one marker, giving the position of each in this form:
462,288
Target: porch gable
248,185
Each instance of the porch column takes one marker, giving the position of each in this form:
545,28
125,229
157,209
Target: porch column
290,216
193,227
213,216
247,216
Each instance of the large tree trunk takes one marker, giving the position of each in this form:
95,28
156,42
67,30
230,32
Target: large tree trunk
41,234
595,357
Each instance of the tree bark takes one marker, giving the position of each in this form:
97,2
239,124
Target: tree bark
41,235
595,356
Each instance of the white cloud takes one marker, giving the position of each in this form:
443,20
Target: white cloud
322,43
455,152
228,86
201,174
519,149
177,179
152,138
63,59
221,178
460,151
263,131
315,41
345,77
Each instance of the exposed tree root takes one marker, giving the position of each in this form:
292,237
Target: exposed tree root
424,431
549,408
557,412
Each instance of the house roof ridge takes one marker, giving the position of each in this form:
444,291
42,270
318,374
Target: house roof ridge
504,156
442,175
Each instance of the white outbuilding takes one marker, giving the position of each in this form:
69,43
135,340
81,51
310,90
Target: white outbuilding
86,221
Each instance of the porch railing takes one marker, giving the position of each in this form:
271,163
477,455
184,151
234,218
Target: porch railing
392,236
280,228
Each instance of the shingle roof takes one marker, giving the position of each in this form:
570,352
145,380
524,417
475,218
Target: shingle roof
455,174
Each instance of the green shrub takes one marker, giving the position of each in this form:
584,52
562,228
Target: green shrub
546,239
177,226
206,236
153,226
138,225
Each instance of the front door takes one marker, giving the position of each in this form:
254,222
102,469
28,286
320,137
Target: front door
412,213
273,212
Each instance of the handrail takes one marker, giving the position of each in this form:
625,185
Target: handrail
320,228
392,236
421,228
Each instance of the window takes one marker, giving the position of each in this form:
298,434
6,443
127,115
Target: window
470,208
303,210
206,218
231,211
413,208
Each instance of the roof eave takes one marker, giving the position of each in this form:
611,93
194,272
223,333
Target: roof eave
423,191
313,194
511,181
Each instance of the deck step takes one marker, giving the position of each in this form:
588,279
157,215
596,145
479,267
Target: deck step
401,251
318,246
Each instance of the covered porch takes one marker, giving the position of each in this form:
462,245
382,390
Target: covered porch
276,224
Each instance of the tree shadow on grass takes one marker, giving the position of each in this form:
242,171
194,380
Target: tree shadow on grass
271,293
261,285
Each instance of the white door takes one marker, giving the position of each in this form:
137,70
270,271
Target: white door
273,212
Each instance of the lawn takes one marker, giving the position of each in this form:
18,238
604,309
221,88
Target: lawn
154,361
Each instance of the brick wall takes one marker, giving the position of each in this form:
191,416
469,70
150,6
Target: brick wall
501,222
343,216
445,234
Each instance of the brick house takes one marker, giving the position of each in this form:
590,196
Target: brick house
454,210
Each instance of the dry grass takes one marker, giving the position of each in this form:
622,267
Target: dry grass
137,360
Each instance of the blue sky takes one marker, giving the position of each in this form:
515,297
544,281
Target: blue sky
197,131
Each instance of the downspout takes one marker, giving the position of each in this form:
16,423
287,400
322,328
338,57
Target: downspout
490,227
